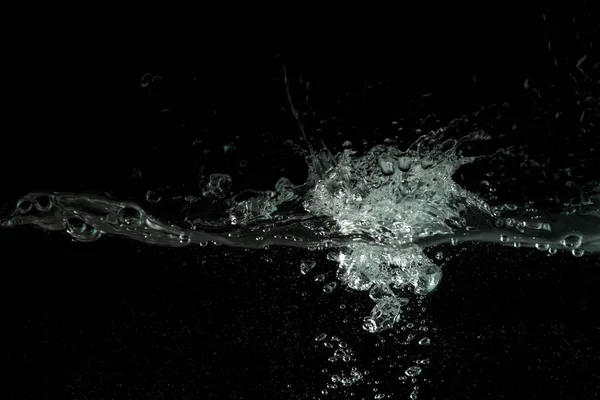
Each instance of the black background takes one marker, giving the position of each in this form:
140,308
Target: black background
115,319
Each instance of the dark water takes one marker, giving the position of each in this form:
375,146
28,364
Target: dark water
274,221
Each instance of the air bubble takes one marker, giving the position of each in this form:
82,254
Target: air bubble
429,278
577,252
43,203
386,166
218,186
427,162
306,266
184,239
152,196
128,216
81,231
321,337
572,241
542,246
413,371
24,206
328,288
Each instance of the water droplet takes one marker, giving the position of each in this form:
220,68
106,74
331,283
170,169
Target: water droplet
504,238
517,244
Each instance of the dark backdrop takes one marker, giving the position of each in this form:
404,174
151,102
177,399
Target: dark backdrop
116,319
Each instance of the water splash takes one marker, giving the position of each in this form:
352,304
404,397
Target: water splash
380,209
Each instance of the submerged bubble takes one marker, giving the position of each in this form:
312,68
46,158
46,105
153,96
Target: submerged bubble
306,266
184,239
321,337
429,278
328,288
577,252
43,203
404,164
542,246
218,186
129,216
572,241
386,165
152,196
413,371
24,206
81,231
